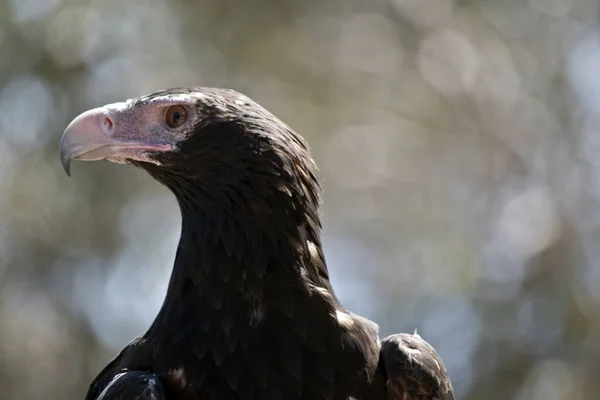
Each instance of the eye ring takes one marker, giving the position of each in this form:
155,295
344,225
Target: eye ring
176,116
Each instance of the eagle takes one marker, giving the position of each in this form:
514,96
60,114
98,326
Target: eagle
250,312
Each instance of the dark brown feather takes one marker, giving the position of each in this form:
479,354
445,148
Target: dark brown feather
413,369
134,385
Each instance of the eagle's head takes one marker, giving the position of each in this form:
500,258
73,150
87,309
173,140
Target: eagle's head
212,147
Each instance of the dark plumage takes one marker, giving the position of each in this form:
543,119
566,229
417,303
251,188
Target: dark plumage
249,312
414,369
129,385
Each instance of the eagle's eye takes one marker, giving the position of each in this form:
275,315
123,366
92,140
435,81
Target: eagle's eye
176,115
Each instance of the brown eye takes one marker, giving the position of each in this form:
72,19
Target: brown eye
176,115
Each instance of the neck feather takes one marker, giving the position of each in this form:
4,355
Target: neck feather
235,260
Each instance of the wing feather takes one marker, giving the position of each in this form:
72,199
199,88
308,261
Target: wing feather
134,385
413,369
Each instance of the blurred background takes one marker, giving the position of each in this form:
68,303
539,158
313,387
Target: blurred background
458,141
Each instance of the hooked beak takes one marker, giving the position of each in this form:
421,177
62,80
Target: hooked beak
97,135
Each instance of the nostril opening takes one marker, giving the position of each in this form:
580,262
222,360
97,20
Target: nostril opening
108,124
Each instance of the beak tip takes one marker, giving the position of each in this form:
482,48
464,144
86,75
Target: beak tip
67,168
65,160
